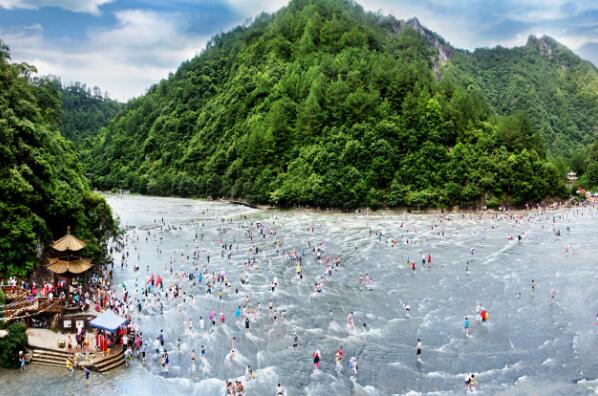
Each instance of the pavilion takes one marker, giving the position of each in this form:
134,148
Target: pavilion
66,260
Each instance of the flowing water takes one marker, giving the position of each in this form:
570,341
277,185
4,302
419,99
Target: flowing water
530,345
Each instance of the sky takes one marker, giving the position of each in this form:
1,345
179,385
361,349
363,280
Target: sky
125,46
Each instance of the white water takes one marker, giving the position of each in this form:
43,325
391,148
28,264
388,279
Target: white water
529,346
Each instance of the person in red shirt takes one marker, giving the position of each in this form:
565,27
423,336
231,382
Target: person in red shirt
339,352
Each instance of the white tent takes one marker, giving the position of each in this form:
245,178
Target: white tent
108,321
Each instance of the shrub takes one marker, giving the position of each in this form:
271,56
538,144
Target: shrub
11,344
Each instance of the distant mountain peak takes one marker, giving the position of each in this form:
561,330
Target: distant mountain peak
414,23
444,50
544,43
551,49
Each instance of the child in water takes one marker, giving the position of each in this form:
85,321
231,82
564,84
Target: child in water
470,383
317,358
353,365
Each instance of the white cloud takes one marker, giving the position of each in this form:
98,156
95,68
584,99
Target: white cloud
248,8
144,47
85,6
140,50
36,27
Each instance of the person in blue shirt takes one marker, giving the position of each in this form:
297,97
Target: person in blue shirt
466,326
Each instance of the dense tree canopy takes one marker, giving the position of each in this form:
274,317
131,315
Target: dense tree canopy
42,187
325,104
553,86
585,164
85,112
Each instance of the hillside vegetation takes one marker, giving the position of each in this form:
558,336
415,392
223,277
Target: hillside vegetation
324,104
42,187
85,112
543,79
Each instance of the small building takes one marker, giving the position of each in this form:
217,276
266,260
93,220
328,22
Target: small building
66,260
48,309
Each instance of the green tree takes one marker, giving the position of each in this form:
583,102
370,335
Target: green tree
42,187
11,344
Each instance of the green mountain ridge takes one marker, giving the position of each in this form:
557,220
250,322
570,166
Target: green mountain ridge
553,86
543,78
324,104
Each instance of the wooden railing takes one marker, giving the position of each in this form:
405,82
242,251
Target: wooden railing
25,307
13,292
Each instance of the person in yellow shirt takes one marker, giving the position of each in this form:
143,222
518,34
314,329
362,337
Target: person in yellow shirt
69,366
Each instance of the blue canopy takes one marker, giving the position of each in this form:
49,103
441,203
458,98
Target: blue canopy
108,321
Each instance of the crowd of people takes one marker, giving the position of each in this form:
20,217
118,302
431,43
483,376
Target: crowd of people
186,277
199,276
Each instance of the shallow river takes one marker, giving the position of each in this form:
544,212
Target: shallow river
532,344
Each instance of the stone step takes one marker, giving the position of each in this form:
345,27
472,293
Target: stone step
49,362
50,353
49,357
109,360
112,365
43,356
52,357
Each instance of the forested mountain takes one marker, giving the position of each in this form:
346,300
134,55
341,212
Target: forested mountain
85,112
324,104
585,163
42,188
544,79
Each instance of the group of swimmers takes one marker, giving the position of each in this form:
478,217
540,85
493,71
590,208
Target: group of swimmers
249,312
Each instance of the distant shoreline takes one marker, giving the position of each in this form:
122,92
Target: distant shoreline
553,205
